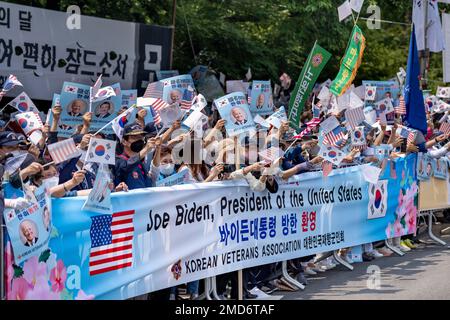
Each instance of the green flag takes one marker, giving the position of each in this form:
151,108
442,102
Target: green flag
350,63
317,60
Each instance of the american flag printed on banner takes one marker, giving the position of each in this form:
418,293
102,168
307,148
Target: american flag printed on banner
335,137
354,116
111,242
10,83
401,108
445,128
63,150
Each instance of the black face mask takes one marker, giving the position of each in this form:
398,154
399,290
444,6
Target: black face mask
137,146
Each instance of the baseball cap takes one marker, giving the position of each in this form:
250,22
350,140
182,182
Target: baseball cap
150,129
133,129
9,138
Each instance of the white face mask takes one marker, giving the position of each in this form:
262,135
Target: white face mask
50,182
167,169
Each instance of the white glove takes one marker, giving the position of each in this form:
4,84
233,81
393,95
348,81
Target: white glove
17,204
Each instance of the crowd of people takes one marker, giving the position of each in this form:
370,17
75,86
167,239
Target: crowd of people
147,154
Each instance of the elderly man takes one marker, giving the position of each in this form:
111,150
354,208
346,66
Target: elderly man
239,116
260,101
175,97
27,230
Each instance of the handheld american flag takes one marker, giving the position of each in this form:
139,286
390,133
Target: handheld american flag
111,242
335,138
187,99
445,128
310,126
154,90
401,108
63,150
101,151
97,85
355,116
327,167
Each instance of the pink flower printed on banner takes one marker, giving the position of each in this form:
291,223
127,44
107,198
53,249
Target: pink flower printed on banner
83,296
410,220
389,231
9,260
58,276
41,291
33,270
398,229
19,289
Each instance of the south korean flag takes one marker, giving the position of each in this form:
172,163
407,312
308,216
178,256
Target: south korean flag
332,154
101,151
371,93
377,200
358,138
443,92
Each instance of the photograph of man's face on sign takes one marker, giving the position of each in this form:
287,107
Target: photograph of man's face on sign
76,108
29,234
175,96
238,116
46,219
104,110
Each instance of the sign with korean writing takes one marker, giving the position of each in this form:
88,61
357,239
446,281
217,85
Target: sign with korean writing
317,60
195,231
30,228
261,101
350,63
74,99
50,53
201,230
233,108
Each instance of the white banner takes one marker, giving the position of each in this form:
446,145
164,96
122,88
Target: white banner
52,53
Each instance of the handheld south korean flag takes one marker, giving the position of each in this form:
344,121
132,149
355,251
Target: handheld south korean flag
23,103
358,138
101,151
443,92
377,206
385,106
371,93
29,122
332,154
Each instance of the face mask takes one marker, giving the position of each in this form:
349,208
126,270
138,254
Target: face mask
137,146
167,169
50,182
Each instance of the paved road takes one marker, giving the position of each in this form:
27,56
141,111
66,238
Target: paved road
420,274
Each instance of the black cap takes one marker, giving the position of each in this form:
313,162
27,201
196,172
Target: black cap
133,129
9,138
150,129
